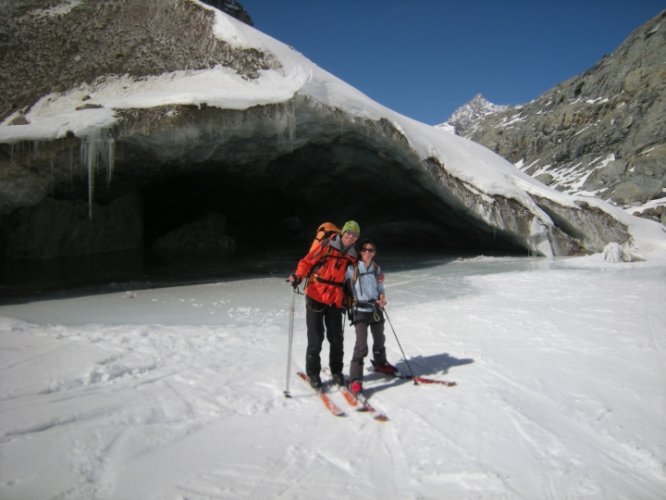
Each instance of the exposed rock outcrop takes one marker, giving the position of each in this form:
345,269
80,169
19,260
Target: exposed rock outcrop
202,237
602,132
53,46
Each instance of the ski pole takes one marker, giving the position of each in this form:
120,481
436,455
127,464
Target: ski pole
291,339
411,373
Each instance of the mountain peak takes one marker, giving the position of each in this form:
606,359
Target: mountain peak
469,114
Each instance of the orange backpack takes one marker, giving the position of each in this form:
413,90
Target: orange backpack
325,230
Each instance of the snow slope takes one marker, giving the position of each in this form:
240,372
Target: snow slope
177,393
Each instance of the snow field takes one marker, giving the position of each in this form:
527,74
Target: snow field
176,393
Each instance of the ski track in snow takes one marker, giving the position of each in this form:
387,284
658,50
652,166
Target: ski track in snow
560,372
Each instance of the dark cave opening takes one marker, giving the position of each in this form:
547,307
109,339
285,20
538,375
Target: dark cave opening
272,209
280,204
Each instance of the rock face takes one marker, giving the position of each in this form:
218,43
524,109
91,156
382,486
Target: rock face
599,133
55,228
269,172
54,46
202,237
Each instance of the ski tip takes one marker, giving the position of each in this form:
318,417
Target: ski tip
381,418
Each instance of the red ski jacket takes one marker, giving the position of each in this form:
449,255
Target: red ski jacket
326,264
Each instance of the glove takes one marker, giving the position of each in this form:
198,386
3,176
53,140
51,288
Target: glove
295,280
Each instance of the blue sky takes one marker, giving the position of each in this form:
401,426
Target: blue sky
424,58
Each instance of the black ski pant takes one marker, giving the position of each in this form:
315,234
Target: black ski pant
361,323
323,319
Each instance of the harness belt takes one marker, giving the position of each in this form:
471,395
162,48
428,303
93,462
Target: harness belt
319,279
375,313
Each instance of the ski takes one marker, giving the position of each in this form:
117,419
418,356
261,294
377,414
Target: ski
328,402
420,380
425,380
361,403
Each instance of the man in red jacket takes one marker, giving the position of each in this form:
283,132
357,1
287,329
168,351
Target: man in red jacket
325,266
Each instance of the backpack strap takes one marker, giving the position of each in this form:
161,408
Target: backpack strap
355,273
328,243
375,270
312,275
325,243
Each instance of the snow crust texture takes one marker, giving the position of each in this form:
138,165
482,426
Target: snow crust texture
178,392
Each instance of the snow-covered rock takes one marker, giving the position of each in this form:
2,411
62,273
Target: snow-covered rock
467,117
209,115
599,133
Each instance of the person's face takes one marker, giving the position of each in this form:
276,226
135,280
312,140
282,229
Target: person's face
349,238
367,251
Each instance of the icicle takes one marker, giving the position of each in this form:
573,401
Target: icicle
91,178
52,165
106,152
89,162
111,158
97,147
284,117
71,167
291,124
341,125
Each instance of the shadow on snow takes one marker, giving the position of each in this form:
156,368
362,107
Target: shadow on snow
431,366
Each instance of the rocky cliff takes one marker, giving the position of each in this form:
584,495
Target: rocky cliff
601,133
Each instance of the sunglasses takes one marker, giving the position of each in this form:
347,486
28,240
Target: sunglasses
370,250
